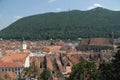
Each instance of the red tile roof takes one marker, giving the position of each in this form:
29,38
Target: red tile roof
100,41
51,48
8,51
54,48
48,62
12,57
13,60
74,52
97,41
10,65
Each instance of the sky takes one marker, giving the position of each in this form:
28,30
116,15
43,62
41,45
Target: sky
12,10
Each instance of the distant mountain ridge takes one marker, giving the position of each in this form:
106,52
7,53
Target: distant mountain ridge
98,22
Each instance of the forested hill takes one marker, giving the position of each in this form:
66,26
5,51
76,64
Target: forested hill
98,22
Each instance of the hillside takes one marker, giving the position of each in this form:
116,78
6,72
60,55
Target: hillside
98,22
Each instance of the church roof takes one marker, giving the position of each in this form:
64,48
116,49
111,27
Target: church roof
97,41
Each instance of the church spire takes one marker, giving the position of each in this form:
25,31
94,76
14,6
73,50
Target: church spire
23,45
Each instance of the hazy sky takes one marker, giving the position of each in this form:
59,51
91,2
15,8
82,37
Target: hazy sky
12,10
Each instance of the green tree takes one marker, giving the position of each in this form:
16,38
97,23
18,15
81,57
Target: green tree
106,70
1,78
84,70
7,77
28,70
65,25
31,70
111,70
46,74
116,65
39,78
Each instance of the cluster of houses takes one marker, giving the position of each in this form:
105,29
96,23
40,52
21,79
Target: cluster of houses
59,58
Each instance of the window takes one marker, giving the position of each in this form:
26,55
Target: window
19,73
18,69
15,69
12,69
9,69
5,69
2,69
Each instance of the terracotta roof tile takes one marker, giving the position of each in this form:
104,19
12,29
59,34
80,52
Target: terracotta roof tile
100,41
54,48
97,41
74,52
18,56
13,60
10,65
51,48
49,63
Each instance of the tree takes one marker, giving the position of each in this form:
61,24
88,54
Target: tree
1,78
116,65
32,70
84,71
106,71
28,70
7,77
111,70
65,25
39,78
46,74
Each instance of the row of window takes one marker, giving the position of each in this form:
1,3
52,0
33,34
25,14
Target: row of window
10,69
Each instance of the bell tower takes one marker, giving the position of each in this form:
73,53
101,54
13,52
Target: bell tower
111,37
23,45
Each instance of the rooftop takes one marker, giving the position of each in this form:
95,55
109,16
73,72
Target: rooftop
13,60
97,41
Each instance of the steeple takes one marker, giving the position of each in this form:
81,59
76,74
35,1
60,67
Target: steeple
23,45
111,36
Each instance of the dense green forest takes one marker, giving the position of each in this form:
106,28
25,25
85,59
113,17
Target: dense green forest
73,24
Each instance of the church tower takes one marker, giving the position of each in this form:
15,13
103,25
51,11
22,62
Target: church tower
23,45
111,38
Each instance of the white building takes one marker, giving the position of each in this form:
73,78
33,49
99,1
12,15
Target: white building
23,46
